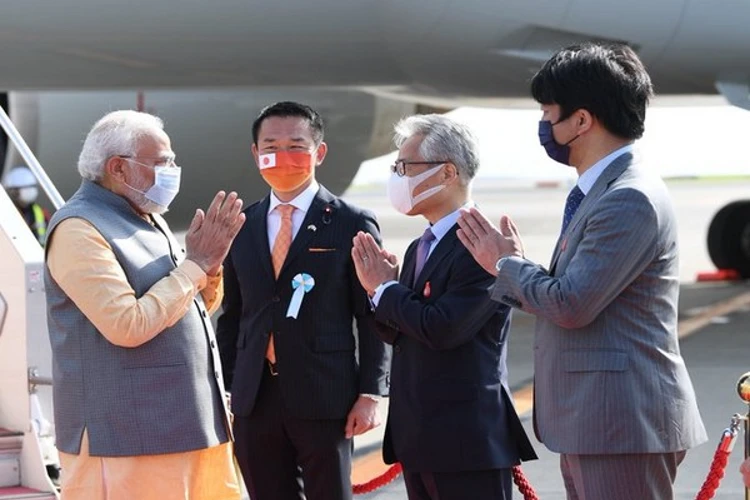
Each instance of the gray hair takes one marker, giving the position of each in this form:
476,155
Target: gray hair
443,139
117,133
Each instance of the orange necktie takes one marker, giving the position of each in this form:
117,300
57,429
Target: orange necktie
278,255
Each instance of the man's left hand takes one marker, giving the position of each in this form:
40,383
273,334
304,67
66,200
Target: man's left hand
487,243
362,417
373,265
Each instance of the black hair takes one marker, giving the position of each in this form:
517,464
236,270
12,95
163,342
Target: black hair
607,80
294,109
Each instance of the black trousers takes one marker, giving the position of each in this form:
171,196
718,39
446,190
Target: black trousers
286,458
492,484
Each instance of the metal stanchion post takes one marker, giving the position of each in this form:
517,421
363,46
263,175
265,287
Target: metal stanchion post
743,390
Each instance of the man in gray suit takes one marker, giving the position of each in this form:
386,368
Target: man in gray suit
612,393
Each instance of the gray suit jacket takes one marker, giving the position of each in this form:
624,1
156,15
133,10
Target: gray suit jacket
609,377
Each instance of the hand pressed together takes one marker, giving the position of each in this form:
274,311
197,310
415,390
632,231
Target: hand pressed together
487,243
374,265
211,234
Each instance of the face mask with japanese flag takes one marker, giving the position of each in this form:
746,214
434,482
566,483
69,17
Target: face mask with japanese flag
285,171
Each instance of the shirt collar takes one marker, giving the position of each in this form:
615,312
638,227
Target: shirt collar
301,202
587,179
441,227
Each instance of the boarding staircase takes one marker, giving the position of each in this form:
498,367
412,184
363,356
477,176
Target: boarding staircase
28,458
11,445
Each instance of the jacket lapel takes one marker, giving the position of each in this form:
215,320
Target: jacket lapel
258,225
612,172
410,264
440,252
320,214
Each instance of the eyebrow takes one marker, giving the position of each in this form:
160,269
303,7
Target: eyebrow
274,139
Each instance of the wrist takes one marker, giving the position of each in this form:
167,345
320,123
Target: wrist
371,397
374,290
500,262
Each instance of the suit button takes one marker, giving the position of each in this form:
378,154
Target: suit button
397,349
276,299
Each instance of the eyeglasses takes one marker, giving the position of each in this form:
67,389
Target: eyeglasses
163,161
399,168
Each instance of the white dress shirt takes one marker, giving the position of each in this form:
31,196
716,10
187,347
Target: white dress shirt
439,229
587,179
301,203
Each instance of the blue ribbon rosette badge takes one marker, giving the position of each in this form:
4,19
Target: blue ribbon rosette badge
301,284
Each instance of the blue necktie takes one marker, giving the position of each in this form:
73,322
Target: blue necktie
423,248
575,197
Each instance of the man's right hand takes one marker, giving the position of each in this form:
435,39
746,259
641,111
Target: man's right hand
211,234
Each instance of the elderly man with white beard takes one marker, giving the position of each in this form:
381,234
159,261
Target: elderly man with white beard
139,405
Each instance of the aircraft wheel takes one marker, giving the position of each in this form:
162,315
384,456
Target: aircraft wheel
729,238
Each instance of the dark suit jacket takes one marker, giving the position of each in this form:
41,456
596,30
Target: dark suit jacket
450,405
319,374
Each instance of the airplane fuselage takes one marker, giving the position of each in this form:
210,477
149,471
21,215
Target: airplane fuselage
448,48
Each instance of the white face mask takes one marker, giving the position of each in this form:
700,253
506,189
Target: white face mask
401,189
27,195
165,188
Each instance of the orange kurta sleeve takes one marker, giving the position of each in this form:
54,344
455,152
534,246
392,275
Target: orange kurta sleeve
84,266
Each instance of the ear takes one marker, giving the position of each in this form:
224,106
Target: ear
320,154
450,172
254,149
584,120
115,168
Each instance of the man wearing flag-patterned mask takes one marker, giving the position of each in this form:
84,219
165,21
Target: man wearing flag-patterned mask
299,393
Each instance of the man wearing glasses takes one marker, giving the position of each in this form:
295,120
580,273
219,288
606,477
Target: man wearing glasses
451,421
139,405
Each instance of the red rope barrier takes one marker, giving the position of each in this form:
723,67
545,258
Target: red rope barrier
715,476
395,470
719,463
711,484
523,484
380,481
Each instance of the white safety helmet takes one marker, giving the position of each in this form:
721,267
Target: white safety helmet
20,177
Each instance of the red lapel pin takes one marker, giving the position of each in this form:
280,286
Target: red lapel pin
426,291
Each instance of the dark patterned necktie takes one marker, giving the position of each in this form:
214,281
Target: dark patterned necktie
575,197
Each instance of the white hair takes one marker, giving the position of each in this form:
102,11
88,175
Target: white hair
443,139
117,133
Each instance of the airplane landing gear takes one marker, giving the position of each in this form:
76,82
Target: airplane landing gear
729,238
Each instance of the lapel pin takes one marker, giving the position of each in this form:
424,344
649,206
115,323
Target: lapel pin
312,227
327,211
427,291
